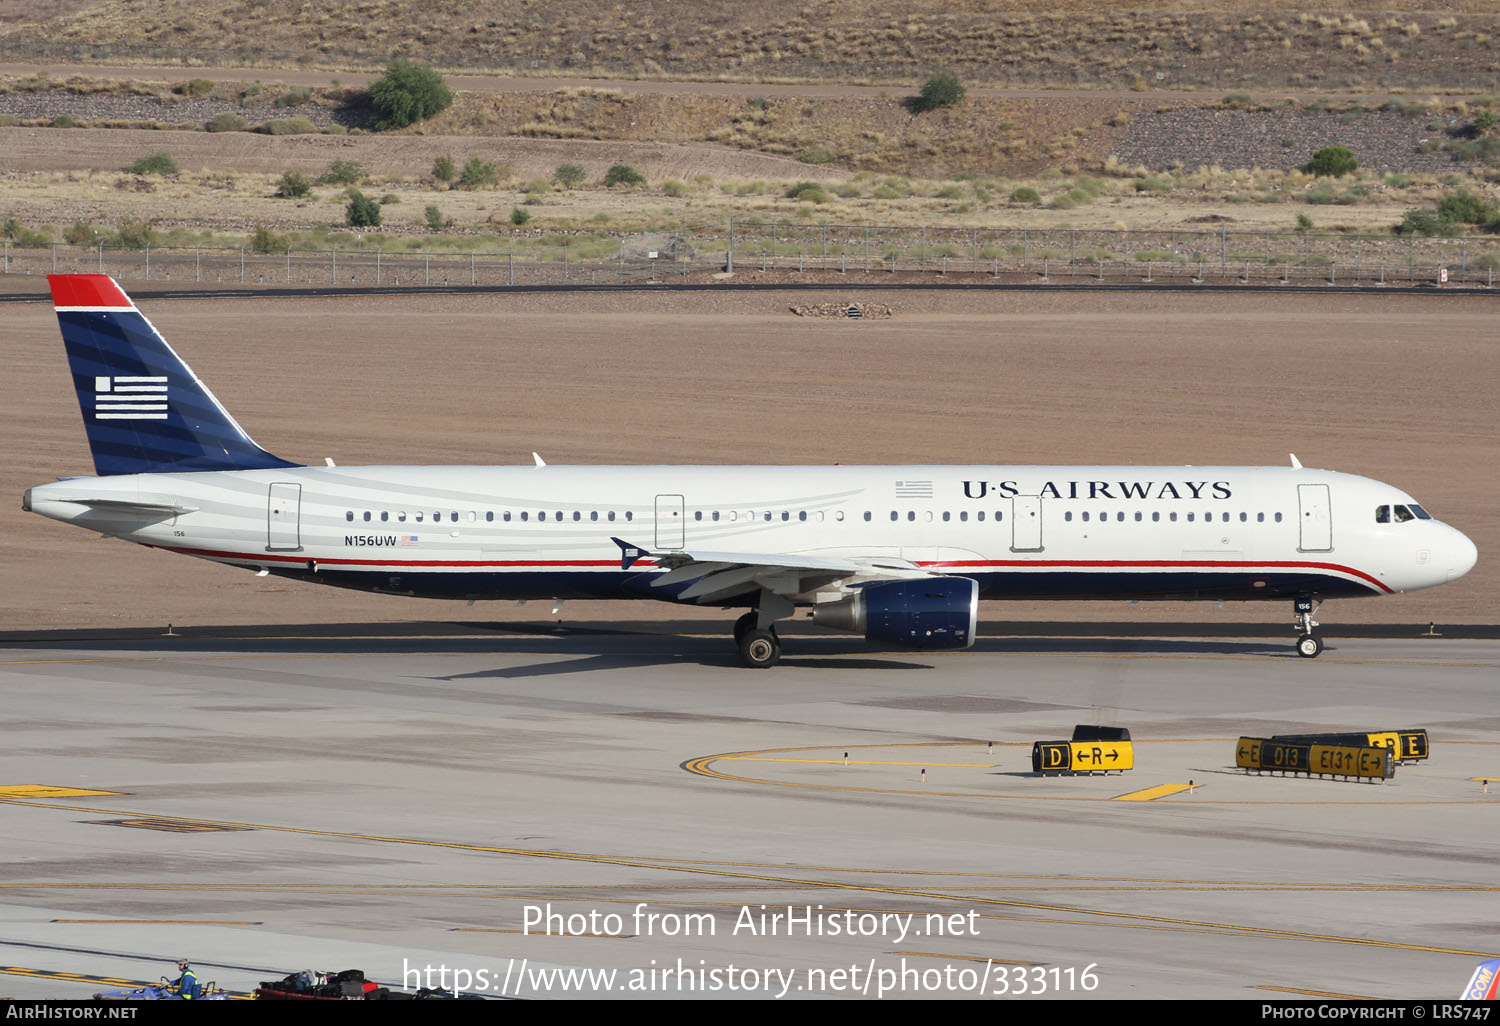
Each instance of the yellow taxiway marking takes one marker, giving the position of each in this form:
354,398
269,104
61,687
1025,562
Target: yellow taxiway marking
1150,794
1088,916
49,791
1320,993
536,933
703,766
964,958
171,921
860,762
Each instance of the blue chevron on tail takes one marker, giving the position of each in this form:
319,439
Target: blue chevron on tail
144,409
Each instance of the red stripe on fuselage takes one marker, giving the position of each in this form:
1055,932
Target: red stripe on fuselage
1028,564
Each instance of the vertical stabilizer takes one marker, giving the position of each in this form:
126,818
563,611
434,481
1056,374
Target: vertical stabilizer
144,409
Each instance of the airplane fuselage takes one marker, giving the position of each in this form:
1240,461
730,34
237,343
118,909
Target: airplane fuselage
545,532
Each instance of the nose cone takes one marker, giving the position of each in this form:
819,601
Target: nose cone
1462,555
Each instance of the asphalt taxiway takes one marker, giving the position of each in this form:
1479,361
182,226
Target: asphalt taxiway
626,801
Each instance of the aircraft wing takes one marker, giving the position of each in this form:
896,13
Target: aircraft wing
709,577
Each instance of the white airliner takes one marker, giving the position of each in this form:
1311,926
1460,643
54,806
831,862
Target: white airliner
899,554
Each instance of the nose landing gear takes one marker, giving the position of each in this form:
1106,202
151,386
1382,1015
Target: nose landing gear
1308,643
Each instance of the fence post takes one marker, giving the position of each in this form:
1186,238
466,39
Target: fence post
1044,269
867,248
377,265
148,261
1127,250
289,264
198,264
922,257
622,259
7,256
1072,246
825,247
1223,249
1411,260
773,250
428,255
565,260
472,273
728,264
242,265
976,250
54,258
101,258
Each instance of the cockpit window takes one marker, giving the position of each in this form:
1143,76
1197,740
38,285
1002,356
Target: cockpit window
1421,513
1403,514
1382,514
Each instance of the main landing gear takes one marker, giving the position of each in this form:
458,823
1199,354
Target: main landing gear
1308,643
755,632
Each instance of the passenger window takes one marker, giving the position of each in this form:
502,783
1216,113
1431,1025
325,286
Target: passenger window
1156,517
524,516
417,516
1260,518
714,515
979,515
895,515
489,516
839,515
437,517
384,516
1190,518
1278,518
594,514
802,515
1085,516
1120,517
998,516
541,515
1244,517
349,516
611,515
767,516
473,516
629,515
367,516
401,516
577,516
946,516
1138,516
867,516
785,516
698,514
734,515
506,516
1068,516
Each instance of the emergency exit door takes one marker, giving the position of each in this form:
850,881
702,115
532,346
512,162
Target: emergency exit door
1026,523
283,518
1316,518
669,522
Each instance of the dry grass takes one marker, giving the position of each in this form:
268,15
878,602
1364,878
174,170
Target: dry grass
1213,43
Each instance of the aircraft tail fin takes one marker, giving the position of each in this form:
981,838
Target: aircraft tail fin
144,409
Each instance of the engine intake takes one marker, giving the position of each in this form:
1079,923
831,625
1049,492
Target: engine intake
939,612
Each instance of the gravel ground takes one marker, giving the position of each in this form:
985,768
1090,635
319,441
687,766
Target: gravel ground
1283,139
44,106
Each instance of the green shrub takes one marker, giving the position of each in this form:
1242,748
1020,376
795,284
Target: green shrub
1465,207
1333,161
940,91
537,187
817,154
362,212
193,87
154,164
134,234
434,218
81,234
1025,194
443,170
1304,223
389,198
298,125
1419,221
478,174
226,122
1484,122
623,174
672,187
293,185
1237,100
406,94
569,175
63,121
266,241
1488,262
343,172
294,97
519,216
807,192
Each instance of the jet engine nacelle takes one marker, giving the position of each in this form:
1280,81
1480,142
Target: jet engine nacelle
939,612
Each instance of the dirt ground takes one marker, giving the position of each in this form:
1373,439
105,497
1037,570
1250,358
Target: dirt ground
1398,388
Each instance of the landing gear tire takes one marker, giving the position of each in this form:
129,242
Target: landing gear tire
759,649
744,625
1309,645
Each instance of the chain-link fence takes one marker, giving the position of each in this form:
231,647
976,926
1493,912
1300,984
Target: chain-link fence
823,250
